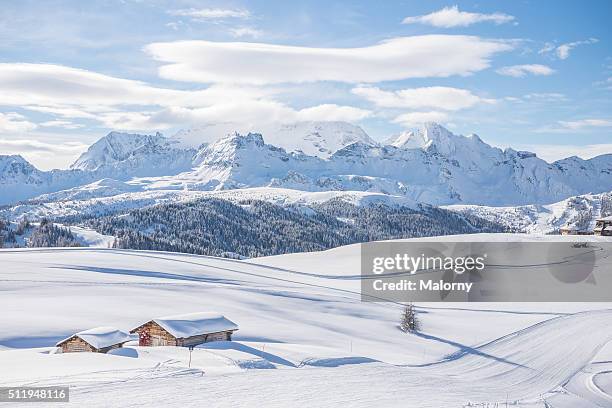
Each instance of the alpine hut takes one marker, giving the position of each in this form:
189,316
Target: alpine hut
186,330
96,340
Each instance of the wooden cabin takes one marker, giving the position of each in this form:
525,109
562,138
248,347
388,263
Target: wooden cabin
186,330
96,340
603,226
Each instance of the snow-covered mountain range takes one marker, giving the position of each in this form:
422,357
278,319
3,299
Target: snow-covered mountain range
430,165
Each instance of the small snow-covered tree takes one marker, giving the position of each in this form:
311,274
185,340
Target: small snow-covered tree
409,321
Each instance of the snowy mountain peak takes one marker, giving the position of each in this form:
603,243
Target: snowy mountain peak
314,138
408,140
232,148
321,139
429,135
6,159
15,166
116,147
239,140
437,136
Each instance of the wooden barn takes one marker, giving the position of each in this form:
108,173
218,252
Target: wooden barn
185,330
96,340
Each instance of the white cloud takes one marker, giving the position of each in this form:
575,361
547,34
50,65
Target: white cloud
12,122
550,153
437,97
332,112
579,125
57,85
546,96
519,71
70,93
413,119
240,115
563,51
585,123
538,97
175,25
239,32
211,13
452,17
65,124
42,154
16,146
259,63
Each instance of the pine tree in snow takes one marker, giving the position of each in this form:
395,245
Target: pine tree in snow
409,322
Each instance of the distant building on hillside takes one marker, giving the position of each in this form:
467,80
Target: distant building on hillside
185,330
603,226
96,340
573,230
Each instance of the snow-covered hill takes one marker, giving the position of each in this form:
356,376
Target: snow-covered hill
576,213
305,335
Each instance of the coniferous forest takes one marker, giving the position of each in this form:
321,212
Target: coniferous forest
257,228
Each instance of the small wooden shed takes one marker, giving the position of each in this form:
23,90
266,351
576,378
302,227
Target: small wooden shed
186,330
96,340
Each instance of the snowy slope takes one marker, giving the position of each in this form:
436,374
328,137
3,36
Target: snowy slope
68,205
304,336
578,212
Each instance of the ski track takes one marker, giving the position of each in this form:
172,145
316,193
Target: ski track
517,368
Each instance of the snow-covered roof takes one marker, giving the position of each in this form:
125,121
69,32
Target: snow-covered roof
100,337
192,324
609,218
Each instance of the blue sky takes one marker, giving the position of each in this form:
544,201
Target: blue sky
533,75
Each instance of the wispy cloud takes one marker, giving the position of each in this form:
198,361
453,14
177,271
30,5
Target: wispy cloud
412,119
13,122
394,59
563,51
32,145
586,123
519,71
204,14
45,151
437,97
578,125
64,124
240,32
70,93
538,97
449,17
